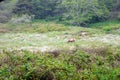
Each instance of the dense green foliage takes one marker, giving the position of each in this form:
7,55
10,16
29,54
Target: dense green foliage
24,65
75,12
40,8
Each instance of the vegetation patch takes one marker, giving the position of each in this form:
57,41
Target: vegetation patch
33,27
112,26
36,66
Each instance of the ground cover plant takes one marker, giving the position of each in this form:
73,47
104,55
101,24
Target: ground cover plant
30,54
77,66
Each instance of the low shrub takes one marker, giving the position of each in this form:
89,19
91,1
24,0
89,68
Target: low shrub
25,65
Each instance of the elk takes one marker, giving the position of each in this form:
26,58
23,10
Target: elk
71,40
83,33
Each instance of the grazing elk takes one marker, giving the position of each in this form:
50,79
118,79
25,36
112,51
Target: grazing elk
83,33
71,40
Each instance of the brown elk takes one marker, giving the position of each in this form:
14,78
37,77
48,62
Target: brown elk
71,40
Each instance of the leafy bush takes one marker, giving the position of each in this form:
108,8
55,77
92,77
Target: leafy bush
24,65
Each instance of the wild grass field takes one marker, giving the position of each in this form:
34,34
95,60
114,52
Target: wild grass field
40,51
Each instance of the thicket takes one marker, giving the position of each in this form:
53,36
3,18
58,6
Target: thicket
75,12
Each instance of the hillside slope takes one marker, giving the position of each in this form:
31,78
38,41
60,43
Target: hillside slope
42,51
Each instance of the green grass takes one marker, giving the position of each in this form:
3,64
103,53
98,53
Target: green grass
40,51
108,26
38,27
42,34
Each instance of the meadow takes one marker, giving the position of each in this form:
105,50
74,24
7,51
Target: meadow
40,51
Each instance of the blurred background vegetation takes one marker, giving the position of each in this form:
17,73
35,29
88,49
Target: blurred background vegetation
73,12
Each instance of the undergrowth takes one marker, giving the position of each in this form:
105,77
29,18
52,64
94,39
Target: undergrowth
25,65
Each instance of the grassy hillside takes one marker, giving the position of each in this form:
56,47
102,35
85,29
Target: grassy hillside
112,26
40,51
